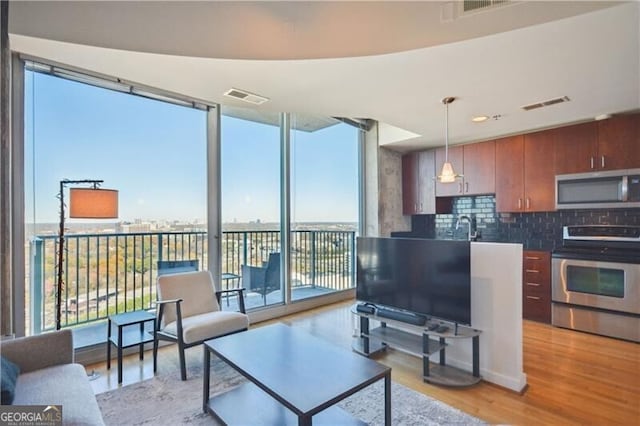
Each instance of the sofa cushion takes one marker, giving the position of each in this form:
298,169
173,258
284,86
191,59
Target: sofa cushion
65,385
9,372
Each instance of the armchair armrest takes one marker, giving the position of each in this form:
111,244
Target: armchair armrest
240,292
40,351
162,302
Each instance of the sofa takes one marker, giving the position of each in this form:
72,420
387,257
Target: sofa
49,376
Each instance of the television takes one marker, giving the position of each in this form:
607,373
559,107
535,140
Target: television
421,276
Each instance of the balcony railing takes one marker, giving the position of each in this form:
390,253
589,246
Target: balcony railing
106,274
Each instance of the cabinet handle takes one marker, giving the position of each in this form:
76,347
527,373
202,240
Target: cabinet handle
532,270
466,187
528,203
592,165
533,297
602,161
533,284
460,188
519,203
420,206
531,258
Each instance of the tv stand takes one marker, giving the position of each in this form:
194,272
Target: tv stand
421,341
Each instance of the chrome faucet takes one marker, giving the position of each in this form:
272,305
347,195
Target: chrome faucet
470,236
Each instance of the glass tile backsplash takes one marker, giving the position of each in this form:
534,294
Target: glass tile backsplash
534,230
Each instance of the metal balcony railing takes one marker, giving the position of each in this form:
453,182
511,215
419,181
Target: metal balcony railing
106,274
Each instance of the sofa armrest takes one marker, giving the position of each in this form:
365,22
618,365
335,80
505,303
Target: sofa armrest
41,351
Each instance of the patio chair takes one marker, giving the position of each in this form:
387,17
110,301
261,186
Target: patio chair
188,313
262,280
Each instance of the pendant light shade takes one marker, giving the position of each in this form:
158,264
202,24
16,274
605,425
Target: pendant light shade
448,175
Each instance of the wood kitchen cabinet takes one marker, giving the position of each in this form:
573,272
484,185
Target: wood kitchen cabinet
418,183
610,144
476,162
525,173
536,286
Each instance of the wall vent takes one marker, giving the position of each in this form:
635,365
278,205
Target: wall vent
469,6
245,96
549,102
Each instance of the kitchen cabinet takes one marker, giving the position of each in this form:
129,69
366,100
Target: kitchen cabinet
536,286
524,173
610,144
476,162
418,183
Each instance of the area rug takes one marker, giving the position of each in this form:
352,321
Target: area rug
166,400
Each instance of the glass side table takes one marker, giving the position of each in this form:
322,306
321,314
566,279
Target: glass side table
128,337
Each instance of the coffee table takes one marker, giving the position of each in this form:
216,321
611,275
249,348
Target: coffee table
294,378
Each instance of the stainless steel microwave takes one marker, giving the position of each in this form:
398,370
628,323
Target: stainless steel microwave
598,190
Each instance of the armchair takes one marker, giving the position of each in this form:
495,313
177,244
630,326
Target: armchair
262,280
188,313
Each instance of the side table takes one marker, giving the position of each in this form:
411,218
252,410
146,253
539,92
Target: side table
129,337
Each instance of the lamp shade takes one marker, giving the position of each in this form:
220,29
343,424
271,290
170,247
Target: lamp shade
93,203
447,175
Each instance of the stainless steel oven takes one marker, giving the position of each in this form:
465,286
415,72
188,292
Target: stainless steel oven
596,281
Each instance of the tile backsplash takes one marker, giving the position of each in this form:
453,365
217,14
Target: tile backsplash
533,230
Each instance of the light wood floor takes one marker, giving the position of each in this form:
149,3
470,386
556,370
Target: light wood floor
574,378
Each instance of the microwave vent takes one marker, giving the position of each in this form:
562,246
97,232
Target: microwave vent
546,103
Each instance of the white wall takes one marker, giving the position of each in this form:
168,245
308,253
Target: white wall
496,309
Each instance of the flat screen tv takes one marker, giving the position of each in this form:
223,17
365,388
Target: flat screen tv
427,277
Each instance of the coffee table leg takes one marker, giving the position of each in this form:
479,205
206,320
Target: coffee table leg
205,380
387,399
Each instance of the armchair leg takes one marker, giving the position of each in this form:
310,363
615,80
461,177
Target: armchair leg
155,353
183,367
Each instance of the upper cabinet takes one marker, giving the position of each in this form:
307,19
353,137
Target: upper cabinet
476,162
418,183
619,143
524,174
603,145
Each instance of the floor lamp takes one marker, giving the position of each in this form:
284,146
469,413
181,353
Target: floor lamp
84,203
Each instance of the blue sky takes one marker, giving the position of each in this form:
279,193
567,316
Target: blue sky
154,153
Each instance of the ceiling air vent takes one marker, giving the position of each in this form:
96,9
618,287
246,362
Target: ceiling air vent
549,102
477,5
245,96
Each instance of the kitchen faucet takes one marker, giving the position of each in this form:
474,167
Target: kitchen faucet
470,236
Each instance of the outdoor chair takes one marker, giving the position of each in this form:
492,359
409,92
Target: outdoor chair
188,313
262,280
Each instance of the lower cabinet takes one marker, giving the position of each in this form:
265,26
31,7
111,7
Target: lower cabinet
536,283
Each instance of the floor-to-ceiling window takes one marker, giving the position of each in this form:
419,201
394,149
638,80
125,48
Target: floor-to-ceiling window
152,152
316,164
324,205
250,193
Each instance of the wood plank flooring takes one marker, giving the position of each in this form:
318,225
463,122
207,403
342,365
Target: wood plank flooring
574,378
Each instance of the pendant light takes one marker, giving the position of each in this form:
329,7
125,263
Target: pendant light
447,175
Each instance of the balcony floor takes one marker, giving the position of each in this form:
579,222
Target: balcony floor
96,333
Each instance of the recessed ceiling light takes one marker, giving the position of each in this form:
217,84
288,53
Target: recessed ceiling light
479,118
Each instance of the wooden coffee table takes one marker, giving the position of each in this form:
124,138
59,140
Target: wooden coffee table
294,378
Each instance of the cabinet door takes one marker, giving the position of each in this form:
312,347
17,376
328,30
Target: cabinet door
426,186
619,142
539,172
509,174
576,148
536,286
409,183
479,168
456,159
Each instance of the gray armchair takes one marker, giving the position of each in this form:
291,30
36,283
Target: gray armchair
188,313
262,280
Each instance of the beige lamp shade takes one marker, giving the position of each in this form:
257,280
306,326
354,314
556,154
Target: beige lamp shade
447,175
93,203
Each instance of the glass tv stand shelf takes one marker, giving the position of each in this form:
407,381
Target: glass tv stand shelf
420,341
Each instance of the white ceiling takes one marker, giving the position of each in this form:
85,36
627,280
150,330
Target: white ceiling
389,61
